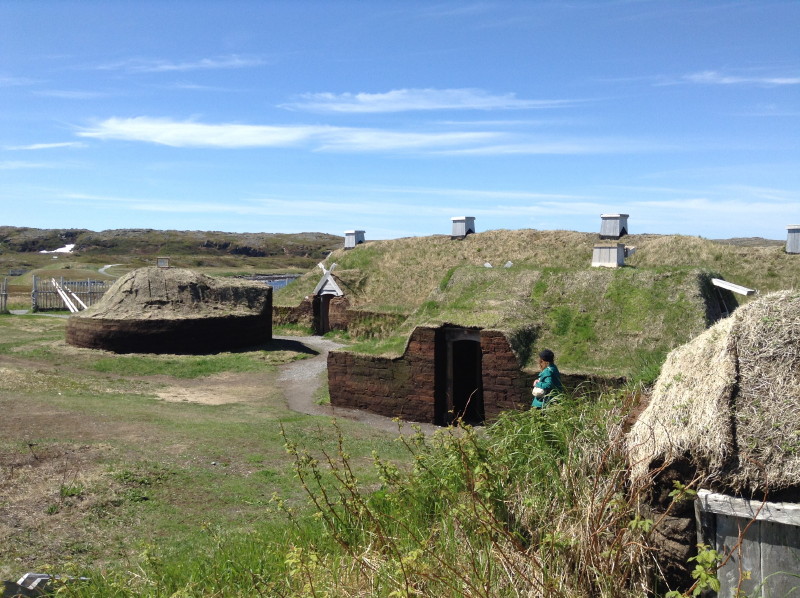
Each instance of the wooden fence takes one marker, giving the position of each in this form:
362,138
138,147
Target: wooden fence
760,542
46,297
4,296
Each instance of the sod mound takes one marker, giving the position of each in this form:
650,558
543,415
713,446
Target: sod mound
729,402
174,310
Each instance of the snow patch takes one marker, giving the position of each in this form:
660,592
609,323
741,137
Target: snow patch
65,249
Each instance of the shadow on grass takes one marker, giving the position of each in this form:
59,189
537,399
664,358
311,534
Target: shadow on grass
280,344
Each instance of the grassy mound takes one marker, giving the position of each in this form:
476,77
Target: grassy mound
398,275
596,320
618,322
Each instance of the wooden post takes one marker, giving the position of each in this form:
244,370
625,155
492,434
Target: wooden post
34,305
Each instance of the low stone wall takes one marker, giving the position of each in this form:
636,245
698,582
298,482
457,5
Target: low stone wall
338,313
340,317
505,385
395,387
413,386
369,323
302,314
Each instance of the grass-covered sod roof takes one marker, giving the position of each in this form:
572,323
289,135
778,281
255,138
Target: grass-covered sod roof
597,320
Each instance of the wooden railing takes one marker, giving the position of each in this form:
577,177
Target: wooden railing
45,295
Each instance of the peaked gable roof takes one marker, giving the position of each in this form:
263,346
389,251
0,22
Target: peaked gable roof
327,285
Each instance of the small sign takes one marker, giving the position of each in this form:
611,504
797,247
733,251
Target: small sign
162,262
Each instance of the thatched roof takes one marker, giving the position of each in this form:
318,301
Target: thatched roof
729,401
177,293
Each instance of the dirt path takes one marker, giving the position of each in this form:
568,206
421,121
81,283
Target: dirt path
106,267
300,381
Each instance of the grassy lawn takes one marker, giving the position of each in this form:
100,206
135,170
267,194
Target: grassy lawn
102,456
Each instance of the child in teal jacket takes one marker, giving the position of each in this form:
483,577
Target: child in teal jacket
548,384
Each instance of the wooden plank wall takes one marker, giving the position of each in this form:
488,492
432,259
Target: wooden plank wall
45,297
793,240
762,539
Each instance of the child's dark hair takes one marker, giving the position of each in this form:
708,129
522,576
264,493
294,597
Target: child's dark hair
547,355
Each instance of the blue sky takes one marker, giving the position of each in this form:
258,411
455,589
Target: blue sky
393,117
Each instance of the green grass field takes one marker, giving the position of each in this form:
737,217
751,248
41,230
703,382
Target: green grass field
182,476
102,455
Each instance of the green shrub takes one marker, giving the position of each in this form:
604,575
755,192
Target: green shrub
533,505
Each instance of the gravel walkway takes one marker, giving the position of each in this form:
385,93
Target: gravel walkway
300,381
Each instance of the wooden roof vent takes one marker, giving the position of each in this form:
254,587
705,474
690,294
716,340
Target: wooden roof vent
608,256
462,226
613,226
353,238
793,238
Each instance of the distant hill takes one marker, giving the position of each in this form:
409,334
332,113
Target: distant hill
136,247
150,241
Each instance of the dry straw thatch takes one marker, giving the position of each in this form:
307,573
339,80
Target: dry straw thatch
729,402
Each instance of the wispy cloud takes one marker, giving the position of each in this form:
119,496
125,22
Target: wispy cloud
271,207
193,134
454,10
20,165
515,123
746,194
320,138
762,193
67,94
370,140
44,146
465,194
404,100
566,146
138,65
771,110
188,86
6,81
323,138
713,208
718,78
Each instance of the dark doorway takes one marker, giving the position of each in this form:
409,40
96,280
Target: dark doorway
467,392
458,376
322,305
